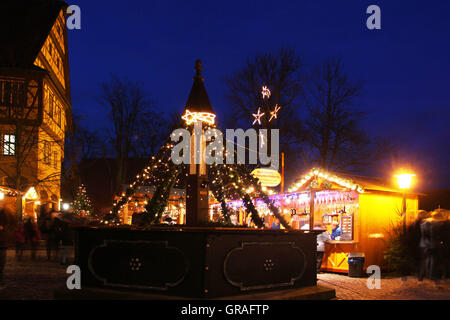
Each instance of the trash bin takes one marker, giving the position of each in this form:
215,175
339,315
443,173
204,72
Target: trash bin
356,264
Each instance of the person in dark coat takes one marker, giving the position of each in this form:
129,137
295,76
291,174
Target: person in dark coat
431,232
64,238
3,241
50,232
32,235
415,240
19,239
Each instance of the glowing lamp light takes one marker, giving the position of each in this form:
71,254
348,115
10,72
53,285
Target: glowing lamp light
65,206
31,194
2,196
404,180
191,117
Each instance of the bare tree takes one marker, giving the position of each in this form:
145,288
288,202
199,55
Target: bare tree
80,144
335,138
127,104
281,72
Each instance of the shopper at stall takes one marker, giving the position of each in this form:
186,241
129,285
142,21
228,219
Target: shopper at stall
321,239
336,233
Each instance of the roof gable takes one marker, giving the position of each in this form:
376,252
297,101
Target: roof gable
24,27
343,180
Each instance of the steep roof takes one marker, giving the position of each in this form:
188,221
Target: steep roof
24,27
198,100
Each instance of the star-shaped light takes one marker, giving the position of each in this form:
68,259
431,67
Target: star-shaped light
265,92
258,116
273,114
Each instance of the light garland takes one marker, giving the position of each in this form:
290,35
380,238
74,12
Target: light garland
315,172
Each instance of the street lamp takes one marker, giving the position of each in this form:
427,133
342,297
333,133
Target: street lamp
404,183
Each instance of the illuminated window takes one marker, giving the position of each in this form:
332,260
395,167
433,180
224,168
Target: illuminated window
9,145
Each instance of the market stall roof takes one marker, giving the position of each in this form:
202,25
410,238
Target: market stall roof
344,180
9,191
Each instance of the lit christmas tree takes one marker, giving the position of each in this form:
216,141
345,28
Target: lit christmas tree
82,202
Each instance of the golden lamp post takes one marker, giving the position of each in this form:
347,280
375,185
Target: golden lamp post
404,183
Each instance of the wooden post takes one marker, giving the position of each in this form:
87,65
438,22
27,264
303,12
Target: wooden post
311,210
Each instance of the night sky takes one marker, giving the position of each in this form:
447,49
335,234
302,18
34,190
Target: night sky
405,65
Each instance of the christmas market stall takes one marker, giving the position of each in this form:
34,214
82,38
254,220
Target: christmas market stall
358,213
175,209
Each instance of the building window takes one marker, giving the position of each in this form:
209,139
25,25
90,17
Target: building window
47,153
55,160
9,145
51,100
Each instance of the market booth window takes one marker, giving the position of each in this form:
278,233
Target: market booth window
334,211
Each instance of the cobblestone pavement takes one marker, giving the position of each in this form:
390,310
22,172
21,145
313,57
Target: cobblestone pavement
27,279
32,280
392,288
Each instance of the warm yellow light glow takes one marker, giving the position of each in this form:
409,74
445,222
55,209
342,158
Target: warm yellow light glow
191,117
404,180
2,196
31,194
267,177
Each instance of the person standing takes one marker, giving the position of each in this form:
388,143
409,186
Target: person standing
321,239
32,236
416,230
19,239
3,241
51,235
430,232
336,233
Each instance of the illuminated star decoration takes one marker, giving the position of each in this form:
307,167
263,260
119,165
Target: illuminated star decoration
265,92
191,117
273,114
258,116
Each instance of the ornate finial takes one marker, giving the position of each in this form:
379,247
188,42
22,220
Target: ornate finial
198,68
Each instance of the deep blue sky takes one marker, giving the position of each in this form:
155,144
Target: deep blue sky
405,65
